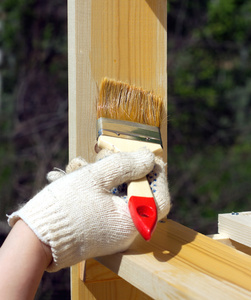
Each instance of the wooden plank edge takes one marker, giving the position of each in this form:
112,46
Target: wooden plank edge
236,226
179,262
224,239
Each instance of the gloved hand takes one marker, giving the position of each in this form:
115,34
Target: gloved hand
78,215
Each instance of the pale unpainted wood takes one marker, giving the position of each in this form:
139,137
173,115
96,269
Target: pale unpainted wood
96,272
101,283
236,226
227,241
113,290
179,263
124,40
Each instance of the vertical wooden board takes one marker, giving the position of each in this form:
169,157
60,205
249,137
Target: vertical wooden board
77,288
121,39
82,86
124,40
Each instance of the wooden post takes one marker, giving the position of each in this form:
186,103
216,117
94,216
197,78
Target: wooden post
124,40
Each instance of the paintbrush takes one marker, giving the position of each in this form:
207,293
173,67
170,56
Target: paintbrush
128,118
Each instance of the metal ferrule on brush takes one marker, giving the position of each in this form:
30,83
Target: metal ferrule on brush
128,130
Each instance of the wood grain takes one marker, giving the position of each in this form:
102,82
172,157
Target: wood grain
127,40
124,40
179,263
227,241
236,226
101,283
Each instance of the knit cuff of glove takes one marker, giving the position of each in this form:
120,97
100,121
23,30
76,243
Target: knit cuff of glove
40,212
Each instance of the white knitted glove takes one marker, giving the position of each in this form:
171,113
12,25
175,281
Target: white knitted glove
78,216
157,180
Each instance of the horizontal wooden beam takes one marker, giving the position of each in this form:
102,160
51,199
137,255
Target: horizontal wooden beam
179,263
92,281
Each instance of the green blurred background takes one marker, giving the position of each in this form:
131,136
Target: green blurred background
209,109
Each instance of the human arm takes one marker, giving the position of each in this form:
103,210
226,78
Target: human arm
23,259
79,216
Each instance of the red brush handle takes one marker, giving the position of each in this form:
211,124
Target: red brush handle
141,202
142,207
144,215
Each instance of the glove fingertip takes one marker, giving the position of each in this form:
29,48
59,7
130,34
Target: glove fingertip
54,175
75,164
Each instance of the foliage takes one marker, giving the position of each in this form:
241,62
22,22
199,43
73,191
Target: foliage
209,109
34,98
33,108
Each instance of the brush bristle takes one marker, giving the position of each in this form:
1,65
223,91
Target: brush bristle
120,101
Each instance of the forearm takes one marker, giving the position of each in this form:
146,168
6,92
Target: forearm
23,259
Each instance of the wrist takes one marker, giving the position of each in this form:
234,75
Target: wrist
42,250
47,253
23,253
